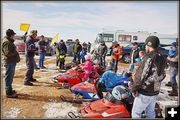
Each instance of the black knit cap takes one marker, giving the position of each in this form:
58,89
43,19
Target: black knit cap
152,41
10,32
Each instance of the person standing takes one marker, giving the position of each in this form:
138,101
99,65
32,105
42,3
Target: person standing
83,52
147,79
56,45
76,50
116,53
30,49
173,64
89,47
42,52
134,55
102,51
62,54
10,58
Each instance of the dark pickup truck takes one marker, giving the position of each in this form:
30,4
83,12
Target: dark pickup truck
126,51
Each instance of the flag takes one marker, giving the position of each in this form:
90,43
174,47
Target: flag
55,39
24,27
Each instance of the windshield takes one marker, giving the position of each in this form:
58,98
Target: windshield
104,36
112,99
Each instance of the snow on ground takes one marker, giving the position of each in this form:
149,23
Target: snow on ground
59,110
12,113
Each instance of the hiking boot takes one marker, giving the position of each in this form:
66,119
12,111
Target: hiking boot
28,83
168,84
37,68
13,91
43,67
12,95
33,80
174,91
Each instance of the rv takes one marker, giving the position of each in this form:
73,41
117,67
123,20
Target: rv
125,38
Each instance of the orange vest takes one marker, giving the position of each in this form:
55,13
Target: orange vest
116,52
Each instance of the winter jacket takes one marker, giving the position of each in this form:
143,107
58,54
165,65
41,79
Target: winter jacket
173,62
87,69
110,79
102,50
134,55
116,52
77,48
30,47
171,52
62,48
42,46
83,53
10,55
149,74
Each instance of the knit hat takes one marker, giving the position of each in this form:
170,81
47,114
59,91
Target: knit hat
174,44
134,43
88,57
10,32
152,41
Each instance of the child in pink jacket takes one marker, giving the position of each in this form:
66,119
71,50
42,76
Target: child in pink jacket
87,67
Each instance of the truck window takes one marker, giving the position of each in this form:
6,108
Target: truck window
124,38
135,37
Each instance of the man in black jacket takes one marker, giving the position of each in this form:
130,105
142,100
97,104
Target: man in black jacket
147,79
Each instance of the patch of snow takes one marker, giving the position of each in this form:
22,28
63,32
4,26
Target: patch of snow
59,110
12,113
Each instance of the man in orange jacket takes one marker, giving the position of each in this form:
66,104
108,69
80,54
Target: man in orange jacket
116,53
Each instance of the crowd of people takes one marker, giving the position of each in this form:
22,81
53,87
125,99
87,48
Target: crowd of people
147,67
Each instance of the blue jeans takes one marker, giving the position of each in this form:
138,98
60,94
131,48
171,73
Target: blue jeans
131,67
144,103
41,58
76,56
115,64
9,75
173,73
102,61
83,59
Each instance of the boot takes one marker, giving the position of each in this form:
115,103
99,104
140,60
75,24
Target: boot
168,84
174,91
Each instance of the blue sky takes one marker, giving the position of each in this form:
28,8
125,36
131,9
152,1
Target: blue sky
84,20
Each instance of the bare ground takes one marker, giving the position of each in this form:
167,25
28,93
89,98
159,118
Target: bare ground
32,99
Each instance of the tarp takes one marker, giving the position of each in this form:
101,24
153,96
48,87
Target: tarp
24,27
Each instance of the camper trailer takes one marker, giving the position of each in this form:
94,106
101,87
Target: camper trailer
125,38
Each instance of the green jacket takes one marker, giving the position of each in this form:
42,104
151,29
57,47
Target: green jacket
77,48
10,55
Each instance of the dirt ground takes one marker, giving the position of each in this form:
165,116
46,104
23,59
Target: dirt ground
41,100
